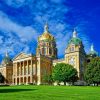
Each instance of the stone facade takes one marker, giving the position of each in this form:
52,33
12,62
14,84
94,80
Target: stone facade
44,67
24,69
47,44
31,69
74,55
76,58
6,69
7,72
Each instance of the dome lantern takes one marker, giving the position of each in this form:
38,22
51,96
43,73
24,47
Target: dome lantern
74,33
46,28
92,47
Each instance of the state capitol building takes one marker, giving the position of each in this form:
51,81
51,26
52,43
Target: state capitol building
30,69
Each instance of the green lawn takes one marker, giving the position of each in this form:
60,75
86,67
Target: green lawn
49,93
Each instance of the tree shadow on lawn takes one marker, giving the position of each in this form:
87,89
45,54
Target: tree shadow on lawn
15,90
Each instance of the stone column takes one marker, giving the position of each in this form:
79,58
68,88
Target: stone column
23,71
19,73
16,70
27,67
47,50
31,76
27,72
38,71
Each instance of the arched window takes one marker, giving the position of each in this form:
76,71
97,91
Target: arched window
72,49
43,51
50,51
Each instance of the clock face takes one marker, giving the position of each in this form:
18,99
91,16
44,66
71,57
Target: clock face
72,61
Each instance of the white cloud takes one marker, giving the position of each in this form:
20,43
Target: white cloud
26,33
15,3
1,39
85,39
16,37
41,11
62,41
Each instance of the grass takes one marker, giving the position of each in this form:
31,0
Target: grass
49,93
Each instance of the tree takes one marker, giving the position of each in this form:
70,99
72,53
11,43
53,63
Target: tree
1,78
48,79
64,73
92,72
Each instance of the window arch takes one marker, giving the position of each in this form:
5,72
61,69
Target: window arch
72,49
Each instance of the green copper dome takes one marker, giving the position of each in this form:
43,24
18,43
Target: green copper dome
93,52
6,59
75,41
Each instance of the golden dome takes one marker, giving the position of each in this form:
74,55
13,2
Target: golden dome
46,35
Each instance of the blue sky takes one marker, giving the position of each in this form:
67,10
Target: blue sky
22,21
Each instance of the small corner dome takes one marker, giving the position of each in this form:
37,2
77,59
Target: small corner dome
6,60
93,52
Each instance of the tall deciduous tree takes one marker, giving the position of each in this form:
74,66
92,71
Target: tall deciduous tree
92,72
64,73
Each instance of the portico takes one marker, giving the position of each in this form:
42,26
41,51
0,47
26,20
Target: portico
24,68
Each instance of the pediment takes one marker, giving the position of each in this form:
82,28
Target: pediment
21,56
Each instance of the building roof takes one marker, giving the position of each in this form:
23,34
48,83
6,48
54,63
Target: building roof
46,34
92,51
75,40
6,60
23,56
